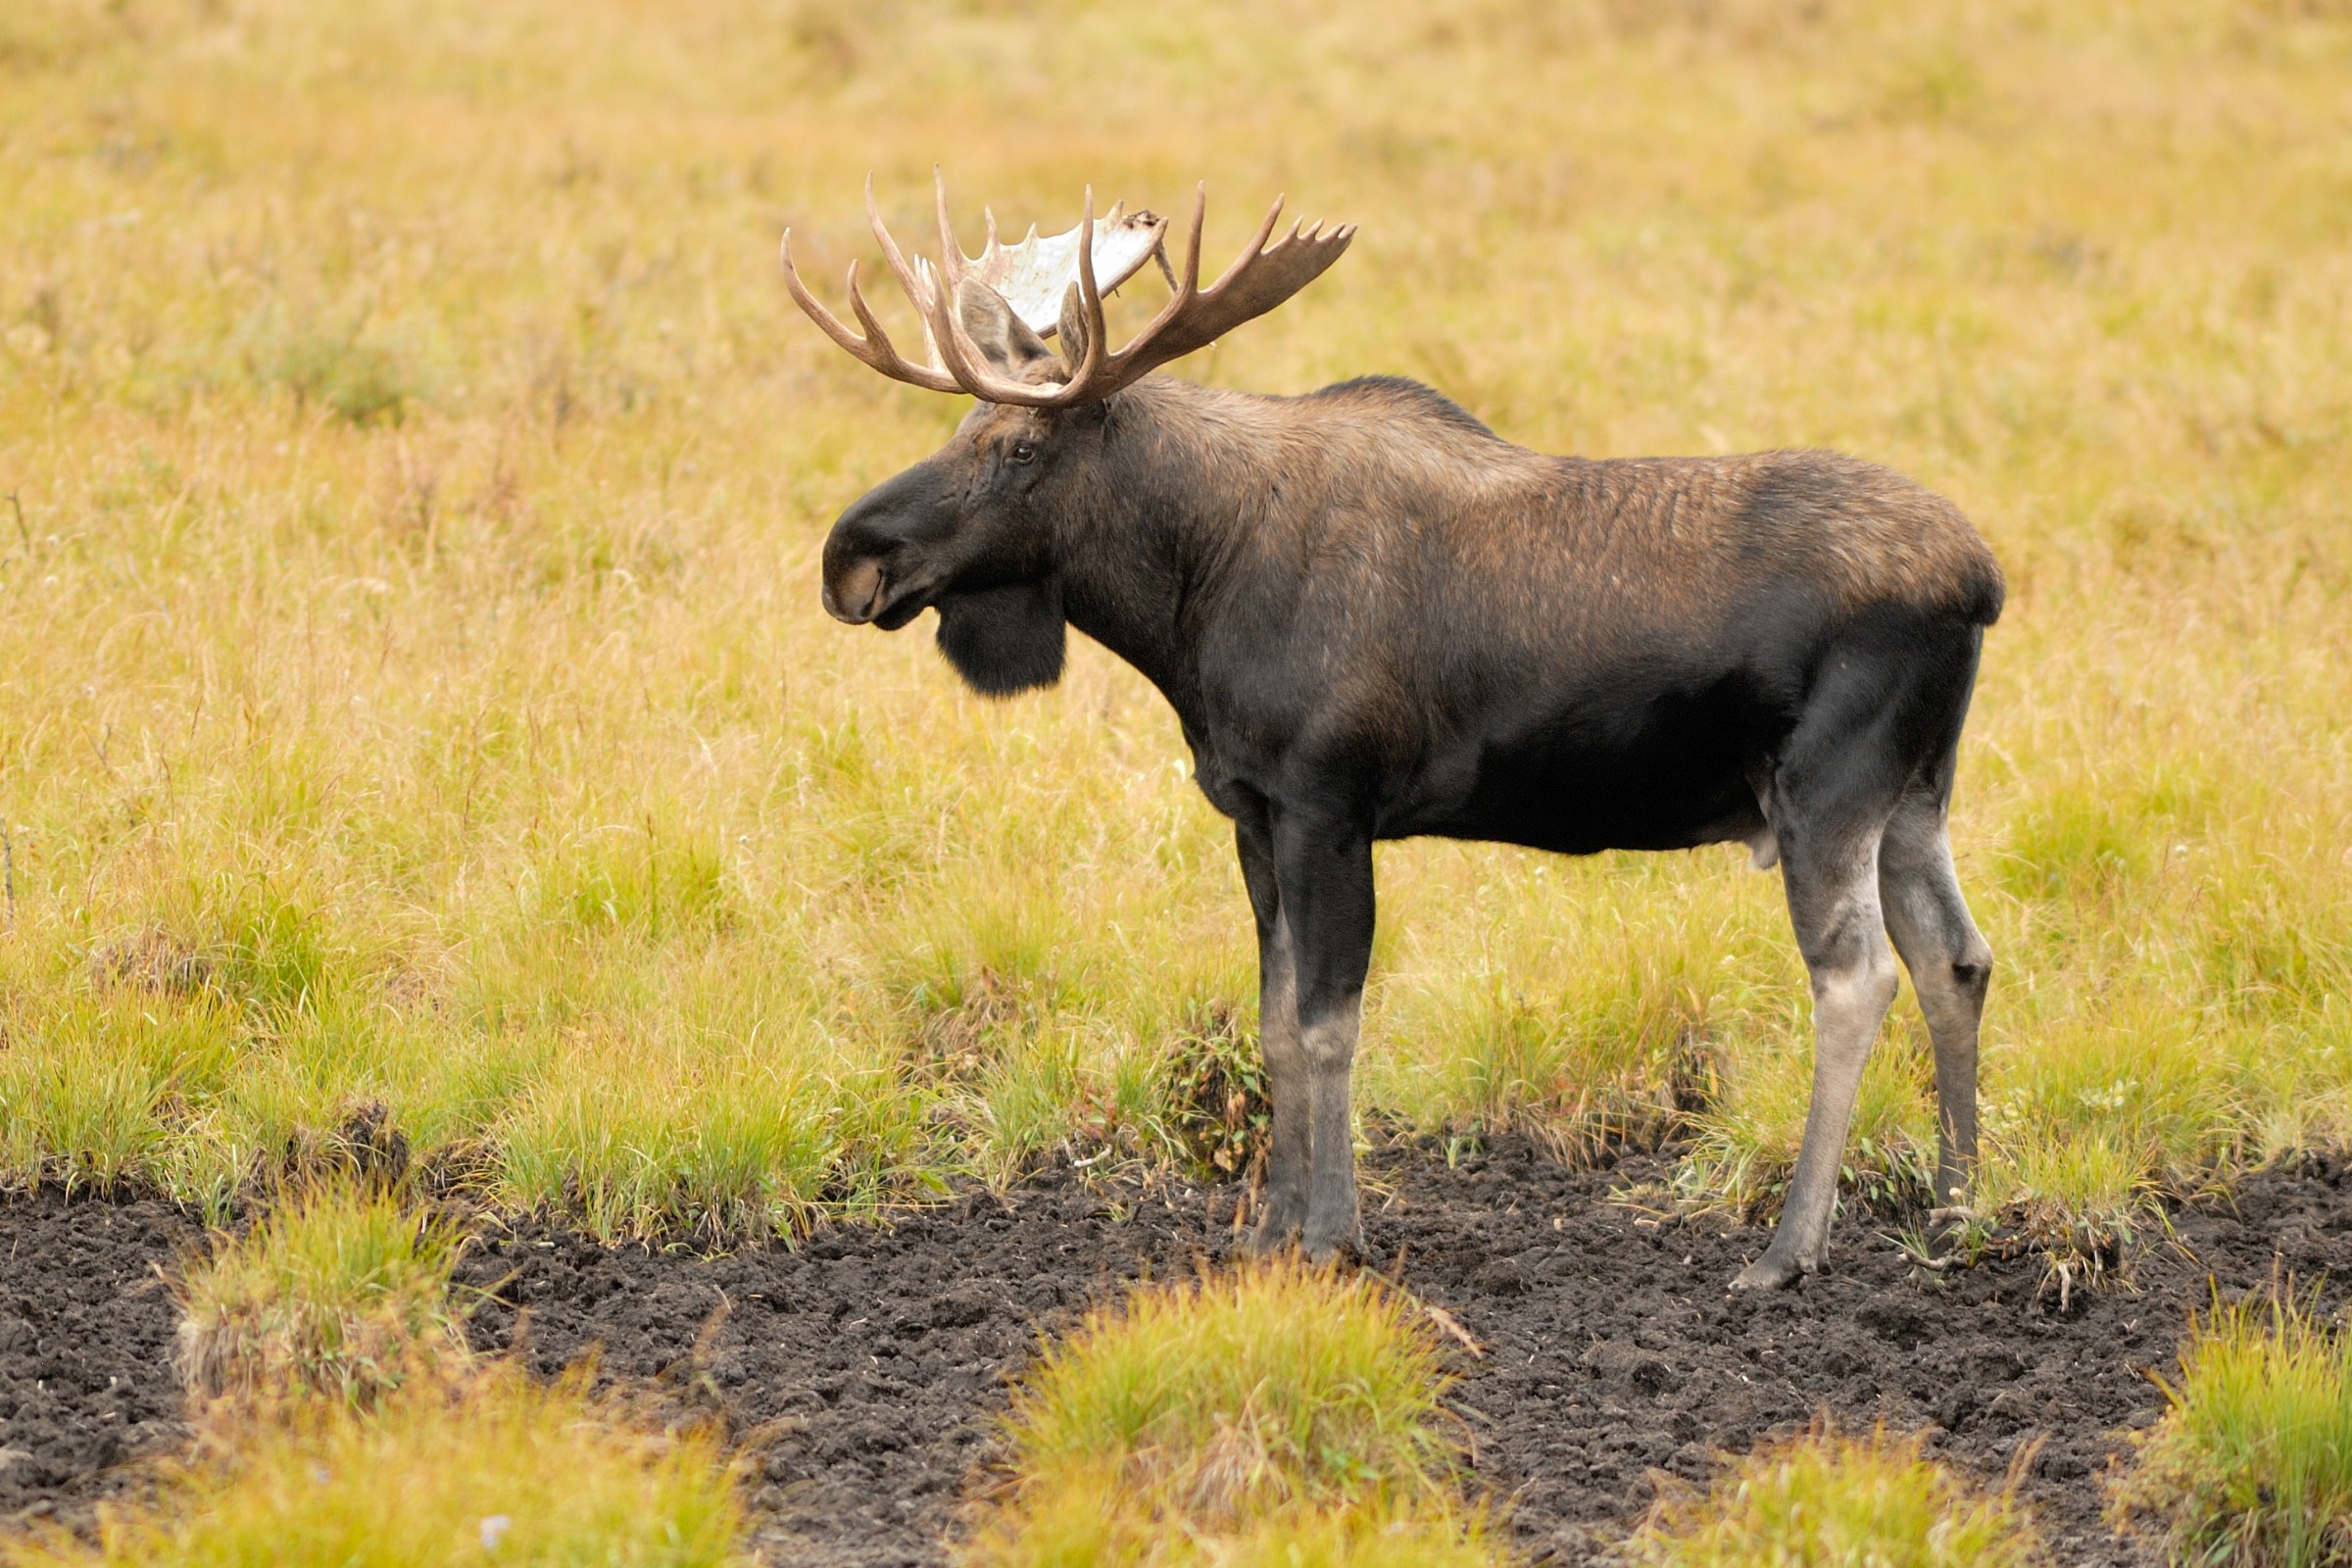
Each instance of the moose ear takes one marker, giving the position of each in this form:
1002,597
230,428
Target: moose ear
1009,342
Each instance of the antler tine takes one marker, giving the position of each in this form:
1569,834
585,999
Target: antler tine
1191,243
874,327
1090,300
1257,247
1102,372
1260,278
962,357
953,263
906,274
1257,281
969,366
1194,317
874,350
814,308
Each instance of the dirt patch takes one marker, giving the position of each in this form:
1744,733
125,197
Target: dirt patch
866,1370
868,1367
85,1347
1609,1346
1613,1350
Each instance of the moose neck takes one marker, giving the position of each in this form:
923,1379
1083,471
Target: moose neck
1146,549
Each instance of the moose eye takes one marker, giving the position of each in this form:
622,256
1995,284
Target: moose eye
1024,451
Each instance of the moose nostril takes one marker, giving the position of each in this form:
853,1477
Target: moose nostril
854,593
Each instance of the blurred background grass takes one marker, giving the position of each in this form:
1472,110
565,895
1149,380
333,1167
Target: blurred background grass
412,691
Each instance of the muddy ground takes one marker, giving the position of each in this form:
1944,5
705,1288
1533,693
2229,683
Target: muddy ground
863,1371
86,1326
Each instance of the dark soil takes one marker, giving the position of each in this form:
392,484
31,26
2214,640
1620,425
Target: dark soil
863,1371
86,1328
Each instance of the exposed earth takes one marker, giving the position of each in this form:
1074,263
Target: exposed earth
864,1369
86,1327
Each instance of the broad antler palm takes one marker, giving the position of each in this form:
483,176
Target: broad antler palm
1031,278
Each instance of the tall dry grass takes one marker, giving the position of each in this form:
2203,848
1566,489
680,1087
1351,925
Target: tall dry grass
412,691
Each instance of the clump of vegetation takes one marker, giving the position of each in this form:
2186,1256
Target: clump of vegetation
341,369
1823,1497
490,1468
341,1290
1218,1108
1278,1407
2251,1464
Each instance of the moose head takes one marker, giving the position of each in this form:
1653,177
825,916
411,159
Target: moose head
978,531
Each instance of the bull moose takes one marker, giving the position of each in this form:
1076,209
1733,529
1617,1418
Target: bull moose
1377,618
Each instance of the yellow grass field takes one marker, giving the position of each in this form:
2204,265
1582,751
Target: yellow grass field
413,692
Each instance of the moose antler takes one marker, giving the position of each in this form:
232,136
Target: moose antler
1261,279
1032,276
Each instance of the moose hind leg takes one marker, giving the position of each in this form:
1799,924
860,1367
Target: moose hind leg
1832,890
1950,965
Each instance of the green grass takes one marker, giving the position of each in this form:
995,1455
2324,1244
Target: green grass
496,1469
2251,1464
339,1290
413,690
1827,1499
1270,1414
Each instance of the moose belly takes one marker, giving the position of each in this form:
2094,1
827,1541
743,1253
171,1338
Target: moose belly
1671,777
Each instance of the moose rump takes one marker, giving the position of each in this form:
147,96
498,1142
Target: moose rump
1375,618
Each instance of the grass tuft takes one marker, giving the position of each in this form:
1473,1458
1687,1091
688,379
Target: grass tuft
339,1291
1242,1417
492,1469
2251,1464
1822,1497
1218,1110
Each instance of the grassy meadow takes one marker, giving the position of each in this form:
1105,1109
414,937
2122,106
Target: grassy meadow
415,701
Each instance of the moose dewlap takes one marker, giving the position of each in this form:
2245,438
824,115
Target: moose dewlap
1376,619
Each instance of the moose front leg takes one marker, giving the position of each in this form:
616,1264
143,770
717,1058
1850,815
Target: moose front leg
1324,870
1286,1161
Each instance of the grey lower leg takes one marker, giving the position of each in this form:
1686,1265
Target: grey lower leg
1328,1045
1834,903
1951,967
1290,1085
1325,869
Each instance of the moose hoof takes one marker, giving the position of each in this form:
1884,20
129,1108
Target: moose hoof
1327,1248
1269,1236
1771,1272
